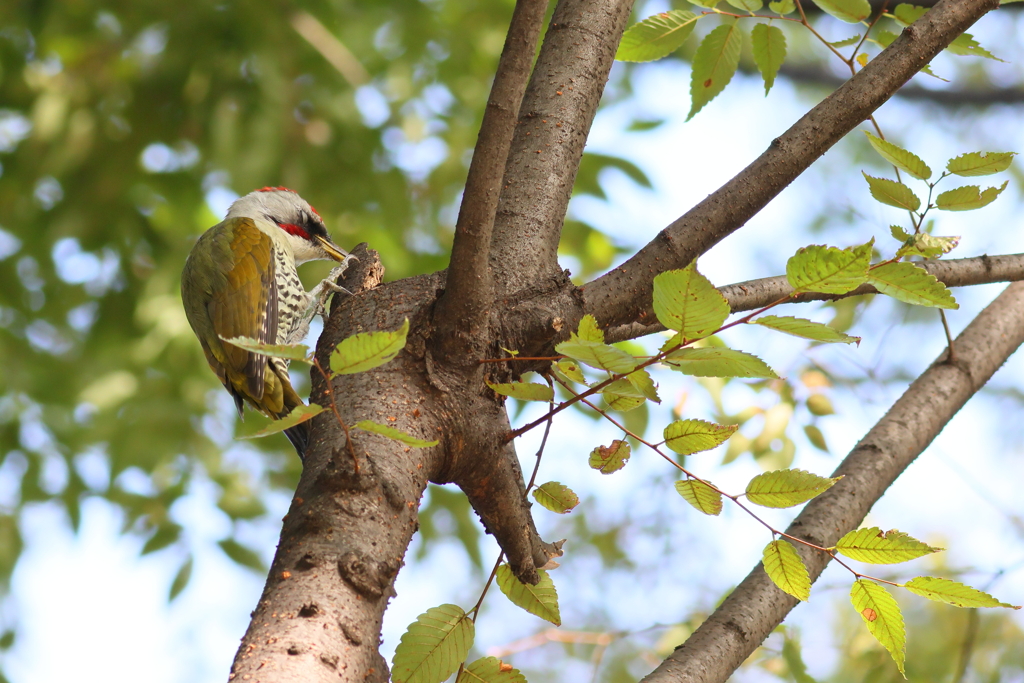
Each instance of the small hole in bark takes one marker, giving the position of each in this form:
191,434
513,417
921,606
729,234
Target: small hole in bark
293,649
310,610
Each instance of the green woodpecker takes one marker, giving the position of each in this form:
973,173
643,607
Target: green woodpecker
240,281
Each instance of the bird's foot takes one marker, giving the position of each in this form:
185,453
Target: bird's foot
323,291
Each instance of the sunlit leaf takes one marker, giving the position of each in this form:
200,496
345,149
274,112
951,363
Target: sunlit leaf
524,391
693,436
714,64
980,163
850,11
782,7
928,246
288,351
966,46
589,330
700,495
900,158
711,361
656,37
747,5
570,370
892,193
786,488
433,646
769,46
786,570
608,459
828,269
490,670
298,415
597,355
806,329
882,615
392,433
911,284
952,593
556,497
368,350
968,197
686,301
892,547
540,600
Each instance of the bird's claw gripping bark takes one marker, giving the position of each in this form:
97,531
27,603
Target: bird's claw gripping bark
327,287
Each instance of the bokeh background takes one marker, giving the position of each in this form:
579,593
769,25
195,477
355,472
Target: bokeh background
134,527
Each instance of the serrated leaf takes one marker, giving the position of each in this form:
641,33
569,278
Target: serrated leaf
769,46
693,436
597,355
686,301
433,646
642,382
952,593
892,547
656,37
714,64
490,670
784,567
968,197
612,458
556,497
570,370
966,46
710,361
980,163
621,403
928,246
368,350
892,193
589,330
242,555
298,415
700,495
911,284
828,269
898,233
524,391
747,5
786,488
900,158
540,600
288,351
846,42
181,579
882,615
805,329
816,438
392,433
906,14
782,7
850,11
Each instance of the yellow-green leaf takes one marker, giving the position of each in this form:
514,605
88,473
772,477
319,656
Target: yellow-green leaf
392,433
828,269
570,370
298,415
784,567
589,330
911,284
928,246
490,670
873,546
968,197
714,64
850,11
368,350
693,436
846,42
816,438
906,14
621,403
700,495
642,382
433,646
747,5
656,37
556,497
524,391
288,351
782,7
598,355
711,361
608,459
769,46
892,193
882,615
540,600
686,301
966,46
806,329
900,158
786,488
980,163
952,593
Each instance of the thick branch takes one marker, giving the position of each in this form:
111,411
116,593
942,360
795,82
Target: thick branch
558,109
463,308
753,294
624,294
756,607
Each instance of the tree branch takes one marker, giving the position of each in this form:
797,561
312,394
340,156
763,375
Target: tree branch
624,294
756,607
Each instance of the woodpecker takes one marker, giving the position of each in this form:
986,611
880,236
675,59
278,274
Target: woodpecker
240,281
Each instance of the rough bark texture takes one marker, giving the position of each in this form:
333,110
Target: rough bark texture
756,607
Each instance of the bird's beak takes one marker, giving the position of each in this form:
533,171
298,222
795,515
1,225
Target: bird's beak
332,249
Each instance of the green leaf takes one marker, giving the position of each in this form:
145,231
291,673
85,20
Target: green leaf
747,5
524,391
181,579
968,197
242,555
928,246
818,404
570,370
708,4
873,546
980,163
556,497
906,14
490,670
828,269
816,438
656,37
892,193
597,355
392,433
846,42
540,600
710,361
882,615
966,46
784,567
368,350
900,158
433,646
782,7
786,488
589,330
911,284
166,534
898,233
700,495
850,11
806,329
642,382
608,459
952,593
288,351
621,403
714,64
769,45
693,436
686,301
299,415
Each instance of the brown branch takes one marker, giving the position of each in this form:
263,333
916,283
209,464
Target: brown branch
756,606
624,294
